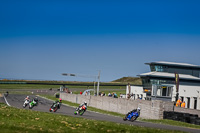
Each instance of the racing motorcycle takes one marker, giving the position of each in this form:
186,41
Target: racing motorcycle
26,103
131,116
54,107
80,110
32,104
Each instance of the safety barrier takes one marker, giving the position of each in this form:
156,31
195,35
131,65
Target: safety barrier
183,117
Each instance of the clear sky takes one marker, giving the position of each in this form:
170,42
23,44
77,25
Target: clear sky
40,39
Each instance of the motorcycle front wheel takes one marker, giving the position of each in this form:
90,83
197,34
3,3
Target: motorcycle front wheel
81,112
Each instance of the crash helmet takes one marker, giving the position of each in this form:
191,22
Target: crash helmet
60,100
85,103
27,97
138,109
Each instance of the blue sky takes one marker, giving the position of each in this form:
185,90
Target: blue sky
42,39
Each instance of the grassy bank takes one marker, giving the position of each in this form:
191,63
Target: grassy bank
21,120
171,122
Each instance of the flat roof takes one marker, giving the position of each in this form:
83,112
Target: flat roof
174,64
168,75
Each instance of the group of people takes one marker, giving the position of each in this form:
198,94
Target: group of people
114,95
179,103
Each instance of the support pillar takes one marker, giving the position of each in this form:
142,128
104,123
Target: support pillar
191,102
186,102
198,102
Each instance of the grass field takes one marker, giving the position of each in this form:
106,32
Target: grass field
37,86
21,120
75,89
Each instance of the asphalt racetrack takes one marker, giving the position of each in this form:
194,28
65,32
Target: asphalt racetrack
17,101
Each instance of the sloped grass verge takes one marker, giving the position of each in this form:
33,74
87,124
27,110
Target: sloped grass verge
29,121
171,122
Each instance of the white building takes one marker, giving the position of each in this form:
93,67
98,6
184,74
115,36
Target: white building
160,83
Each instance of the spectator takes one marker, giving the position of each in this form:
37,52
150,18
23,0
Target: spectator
115,95
183,104
109,94
121,95
178,103
128,96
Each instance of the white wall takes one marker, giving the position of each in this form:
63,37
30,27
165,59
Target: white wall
191,92
137,90
186,91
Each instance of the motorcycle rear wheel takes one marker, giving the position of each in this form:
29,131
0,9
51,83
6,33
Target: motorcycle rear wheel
133,118
125,118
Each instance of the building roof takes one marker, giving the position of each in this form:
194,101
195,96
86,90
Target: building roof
174,64
168,75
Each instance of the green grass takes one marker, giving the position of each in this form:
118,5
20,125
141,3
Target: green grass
17,92
21,120
171,122
71,87
27,86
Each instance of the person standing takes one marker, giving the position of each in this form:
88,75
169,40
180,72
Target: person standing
183,104
178,103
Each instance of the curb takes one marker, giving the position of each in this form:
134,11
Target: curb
6,100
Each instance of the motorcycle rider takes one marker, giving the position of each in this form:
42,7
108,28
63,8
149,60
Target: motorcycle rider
27,98
57,102
35,100
135,110
81,105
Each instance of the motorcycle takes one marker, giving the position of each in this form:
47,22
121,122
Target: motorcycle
80,110
131,116
26,103
32,104
54,108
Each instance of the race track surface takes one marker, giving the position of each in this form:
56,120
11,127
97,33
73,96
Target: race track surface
44,105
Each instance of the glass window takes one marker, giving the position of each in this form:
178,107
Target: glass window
169,92
164,91
158,90
152,67
159,68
